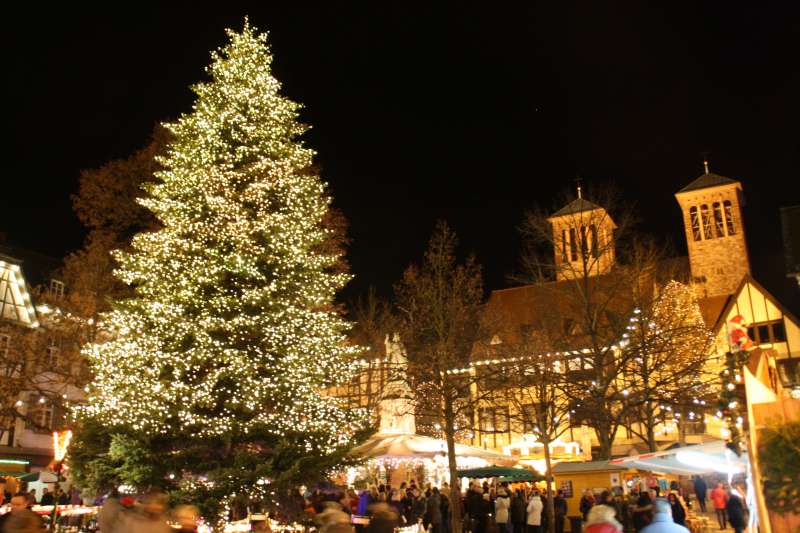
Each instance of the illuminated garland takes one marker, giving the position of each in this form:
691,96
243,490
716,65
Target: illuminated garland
232,327
731,396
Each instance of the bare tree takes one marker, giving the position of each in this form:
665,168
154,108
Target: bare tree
533,376
440,308
585,268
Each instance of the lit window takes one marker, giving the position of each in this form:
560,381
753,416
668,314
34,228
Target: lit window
729,217
5,343
40,414
56,288
767,332
695,223
52,352
706,217
718,220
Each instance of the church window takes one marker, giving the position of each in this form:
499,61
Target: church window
706,218
729,217
695,223
718,219
584,244
593,229
573,245
564,245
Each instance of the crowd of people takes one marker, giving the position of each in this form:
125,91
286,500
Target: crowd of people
485,508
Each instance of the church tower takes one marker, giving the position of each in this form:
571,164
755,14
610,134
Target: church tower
583,238
712,218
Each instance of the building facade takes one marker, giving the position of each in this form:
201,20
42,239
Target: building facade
39,359
717,270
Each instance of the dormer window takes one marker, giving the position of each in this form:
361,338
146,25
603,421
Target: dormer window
56,289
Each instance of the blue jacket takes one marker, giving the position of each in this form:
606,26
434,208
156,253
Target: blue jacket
663,523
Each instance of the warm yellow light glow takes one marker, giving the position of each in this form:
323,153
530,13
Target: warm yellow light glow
61,440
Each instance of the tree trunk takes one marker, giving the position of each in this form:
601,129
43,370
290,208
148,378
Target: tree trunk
605,443
455,486
548,478
651,429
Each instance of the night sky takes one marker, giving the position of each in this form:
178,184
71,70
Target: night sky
473,114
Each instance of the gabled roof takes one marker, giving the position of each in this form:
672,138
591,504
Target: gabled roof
707,180
587,466
577,205
731,301
16,305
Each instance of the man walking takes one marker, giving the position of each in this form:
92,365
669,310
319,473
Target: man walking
700,490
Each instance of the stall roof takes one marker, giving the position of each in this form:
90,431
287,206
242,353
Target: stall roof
587,466
705,458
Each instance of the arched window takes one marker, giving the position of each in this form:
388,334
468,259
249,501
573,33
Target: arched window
718,220
695,218
729,217
584,244
706,218
593,229
573,245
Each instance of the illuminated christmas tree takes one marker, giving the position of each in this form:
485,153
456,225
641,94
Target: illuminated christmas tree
232,332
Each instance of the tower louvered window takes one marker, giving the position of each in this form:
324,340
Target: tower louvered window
718,224
729,217
695,221
705,215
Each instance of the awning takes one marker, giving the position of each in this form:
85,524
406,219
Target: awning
705,458
506,474
43,477
401,445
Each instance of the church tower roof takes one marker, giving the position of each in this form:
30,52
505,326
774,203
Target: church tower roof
576,206
708,180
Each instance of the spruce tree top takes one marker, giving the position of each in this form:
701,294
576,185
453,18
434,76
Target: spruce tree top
232,328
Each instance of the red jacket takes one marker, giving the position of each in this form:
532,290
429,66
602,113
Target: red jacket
601,528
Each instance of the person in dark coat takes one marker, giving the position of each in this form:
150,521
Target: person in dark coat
643,511
418,507
473,503
678,512
383,519
700,490
560,509
445,507
736,510
518,512
433,509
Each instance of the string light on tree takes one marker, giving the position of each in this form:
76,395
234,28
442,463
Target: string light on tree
232,328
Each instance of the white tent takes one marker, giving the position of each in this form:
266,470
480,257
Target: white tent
704,458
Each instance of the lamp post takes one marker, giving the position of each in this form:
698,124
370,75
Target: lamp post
61,440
